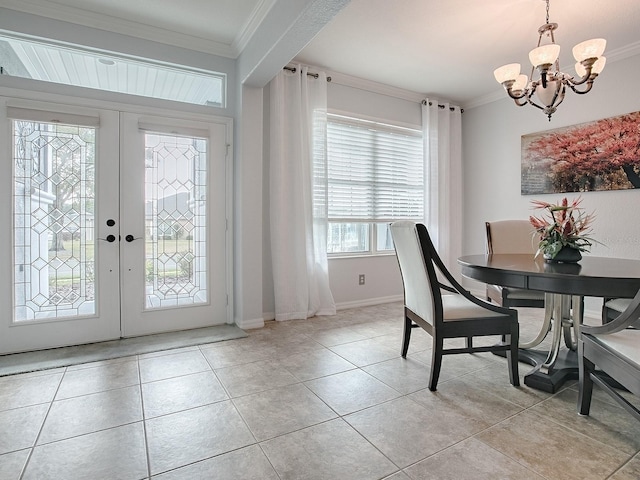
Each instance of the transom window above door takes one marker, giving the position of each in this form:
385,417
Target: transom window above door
101,70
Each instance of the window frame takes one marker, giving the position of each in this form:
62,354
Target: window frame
372,224
107,63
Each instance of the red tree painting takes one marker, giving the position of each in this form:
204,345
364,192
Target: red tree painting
600,155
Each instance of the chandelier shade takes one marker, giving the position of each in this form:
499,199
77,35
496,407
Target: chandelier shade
593,48
545,55
549,88
520,83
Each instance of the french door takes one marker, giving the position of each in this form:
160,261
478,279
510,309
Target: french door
173,224
115,225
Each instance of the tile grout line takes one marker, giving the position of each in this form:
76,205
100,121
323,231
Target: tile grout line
44,421
144,420
532,408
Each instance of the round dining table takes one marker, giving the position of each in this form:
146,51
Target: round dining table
565,285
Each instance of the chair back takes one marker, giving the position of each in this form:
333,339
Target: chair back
510,236
417,270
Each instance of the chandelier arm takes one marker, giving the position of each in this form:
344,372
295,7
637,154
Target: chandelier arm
531,102
514,95
572,82
507,86
548,110
560,95
532,90
582,92
588,75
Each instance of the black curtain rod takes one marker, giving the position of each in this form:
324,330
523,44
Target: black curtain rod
314,75
451,109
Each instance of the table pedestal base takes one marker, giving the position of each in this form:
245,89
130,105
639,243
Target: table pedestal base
564,368
557,365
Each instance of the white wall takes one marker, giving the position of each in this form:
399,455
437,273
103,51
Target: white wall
382,276
247,209
491,162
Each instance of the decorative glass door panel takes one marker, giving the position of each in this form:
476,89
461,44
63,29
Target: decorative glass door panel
175,220
54,200
62,281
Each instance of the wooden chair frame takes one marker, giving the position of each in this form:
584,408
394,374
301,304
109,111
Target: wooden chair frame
599,363
504,323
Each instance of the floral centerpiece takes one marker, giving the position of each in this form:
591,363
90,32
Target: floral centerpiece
567,227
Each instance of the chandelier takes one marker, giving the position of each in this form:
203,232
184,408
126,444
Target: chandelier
550,88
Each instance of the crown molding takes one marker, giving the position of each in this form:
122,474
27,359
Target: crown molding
121,26
627,51
485,99
251,25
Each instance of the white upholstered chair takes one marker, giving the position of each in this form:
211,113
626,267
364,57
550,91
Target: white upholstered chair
447,311
611,351
518,237
512,236
612,307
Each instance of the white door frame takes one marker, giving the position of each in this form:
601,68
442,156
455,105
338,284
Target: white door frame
74,104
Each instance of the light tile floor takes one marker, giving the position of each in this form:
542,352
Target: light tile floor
325,398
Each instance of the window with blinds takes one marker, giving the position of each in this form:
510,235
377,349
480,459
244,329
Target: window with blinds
375,176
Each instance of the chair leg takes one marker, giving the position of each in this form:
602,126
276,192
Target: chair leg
436,362
406,337
585,383
512,356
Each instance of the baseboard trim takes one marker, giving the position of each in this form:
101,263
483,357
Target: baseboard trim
250,323
368,302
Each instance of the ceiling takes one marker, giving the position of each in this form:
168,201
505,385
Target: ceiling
447,49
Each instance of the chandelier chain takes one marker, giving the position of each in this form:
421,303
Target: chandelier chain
547,11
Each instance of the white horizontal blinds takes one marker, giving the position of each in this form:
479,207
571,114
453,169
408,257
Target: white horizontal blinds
376,171
319,148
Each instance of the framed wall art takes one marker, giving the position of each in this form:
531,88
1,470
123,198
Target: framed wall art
599,155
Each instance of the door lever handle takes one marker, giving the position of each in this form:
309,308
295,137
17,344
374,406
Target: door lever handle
131,238
110,238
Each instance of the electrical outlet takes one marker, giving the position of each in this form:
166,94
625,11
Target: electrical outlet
361,279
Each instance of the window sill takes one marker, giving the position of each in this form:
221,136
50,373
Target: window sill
359,255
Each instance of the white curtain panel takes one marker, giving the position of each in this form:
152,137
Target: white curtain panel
442,134
298,195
